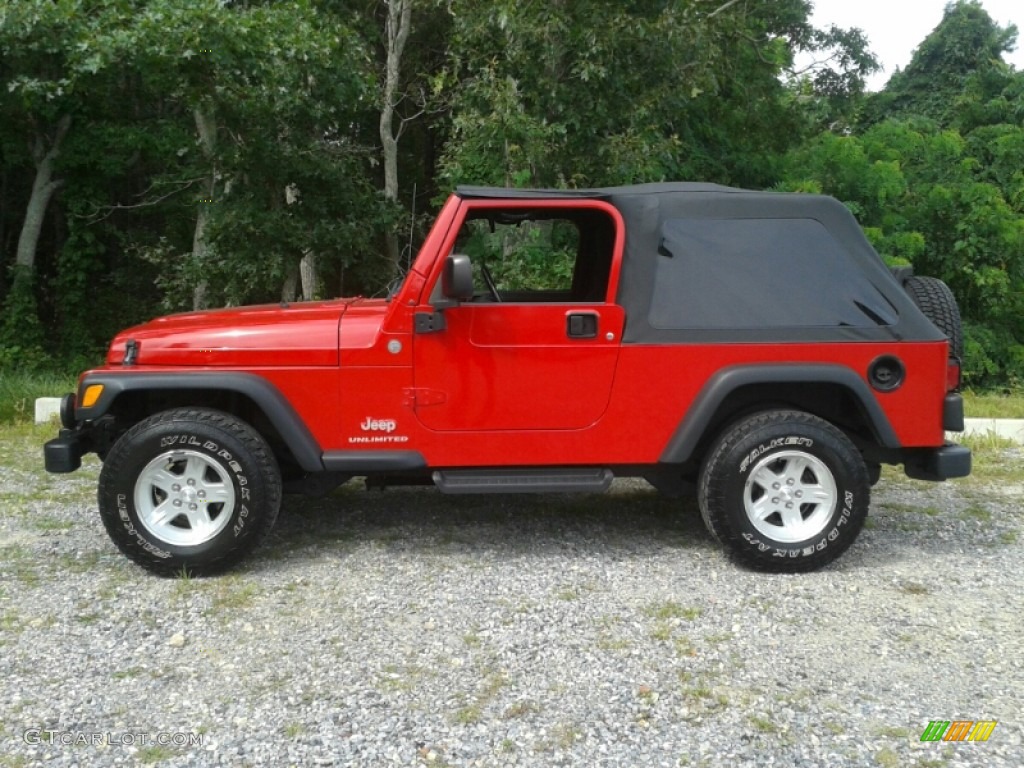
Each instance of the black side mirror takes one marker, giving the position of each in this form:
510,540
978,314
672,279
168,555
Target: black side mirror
457,279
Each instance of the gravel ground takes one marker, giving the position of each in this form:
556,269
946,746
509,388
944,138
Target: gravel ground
406,628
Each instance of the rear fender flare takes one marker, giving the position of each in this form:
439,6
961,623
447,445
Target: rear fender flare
698,418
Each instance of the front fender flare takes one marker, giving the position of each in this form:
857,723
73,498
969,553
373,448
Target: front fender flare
266,396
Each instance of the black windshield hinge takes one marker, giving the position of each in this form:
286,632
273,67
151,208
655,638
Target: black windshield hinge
429,322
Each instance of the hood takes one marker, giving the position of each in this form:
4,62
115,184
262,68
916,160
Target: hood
301,334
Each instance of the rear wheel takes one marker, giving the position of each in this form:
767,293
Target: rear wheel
784,491
935,300
189,491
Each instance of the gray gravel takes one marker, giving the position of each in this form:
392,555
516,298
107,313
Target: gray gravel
407,628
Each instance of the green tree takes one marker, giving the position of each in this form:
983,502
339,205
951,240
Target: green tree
589,92
272,90
210,147
967,43
54,56
932,198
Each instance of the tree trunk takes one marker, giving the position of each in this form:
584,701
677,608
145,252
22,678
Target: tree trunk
206,126
397,29
291,282
43,188
310,276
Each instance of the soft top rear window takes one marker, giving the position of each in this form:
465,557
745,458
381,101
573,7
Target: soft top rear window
759,273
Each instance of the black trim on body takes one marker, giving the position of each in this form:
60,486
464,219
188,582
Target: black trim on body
358,462
64,453
953,413
937,464
698,418
268,398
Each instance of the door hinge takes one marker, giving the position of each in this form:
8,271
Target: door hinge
418,397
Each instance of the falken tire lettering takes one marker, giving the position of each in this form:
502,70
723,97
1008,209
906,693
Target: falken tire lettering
778,442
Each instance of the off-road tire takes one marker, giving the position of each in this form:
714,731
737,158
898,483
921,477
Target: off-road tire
935,300
189,491
828,491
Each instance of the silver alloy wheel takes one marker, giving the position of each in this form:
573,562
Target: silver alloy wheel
184,498
790,496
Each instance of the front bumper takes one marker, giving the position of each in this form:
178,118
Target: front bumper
945,463
64,453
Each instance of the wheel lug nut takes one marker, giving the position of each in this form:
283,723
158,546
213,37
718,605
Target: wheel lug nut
775,500
175,487
776,486
191,482
788,482
194,507
789,505
177,502
202,494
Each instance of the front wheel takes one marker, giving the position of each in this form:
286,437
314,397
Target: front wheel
785,491
189,491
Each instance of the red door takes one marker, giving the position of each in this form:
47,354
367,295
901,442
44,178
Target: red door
529,366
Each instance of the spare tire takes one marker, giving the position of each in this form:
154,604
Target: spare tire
935,300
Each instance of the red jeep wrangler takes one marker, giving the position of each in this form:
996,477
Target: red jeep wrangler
750,344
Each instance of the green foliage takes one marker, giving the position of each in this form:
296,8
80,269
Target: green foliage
966,44
217,144
19,391
937,181
591,93
993,357
532,255
21,334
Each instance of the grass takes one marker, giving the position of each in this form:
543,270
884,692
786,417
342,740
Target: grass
22,564
154,754
473,712
562,736
887,758
974,512
18,393
127,674
26,484
520,709
763,724
913,588
232,594
986,441
993,460
671,610
994,405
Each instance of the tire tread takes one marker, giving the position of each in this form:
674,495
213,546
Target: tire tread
934,298
253,443
711,492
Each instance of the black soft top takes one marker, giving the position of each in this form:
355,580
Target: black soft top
705,262
602,193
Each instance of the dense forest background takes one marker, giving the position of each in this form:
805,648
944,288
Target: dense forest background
163,154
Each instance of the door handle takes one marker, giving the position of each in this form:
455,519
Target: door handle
581,325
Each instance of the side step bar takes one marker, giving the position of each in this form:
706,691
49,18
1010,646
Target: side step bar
524,480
